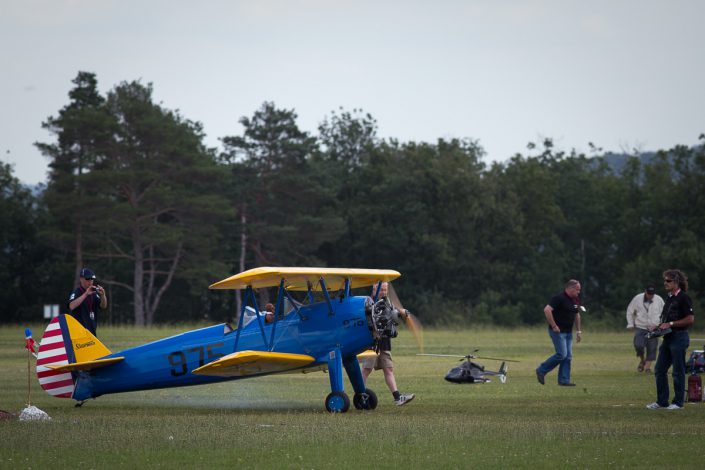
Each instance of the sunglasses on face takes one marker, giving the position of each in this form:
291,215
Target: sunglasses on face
668,281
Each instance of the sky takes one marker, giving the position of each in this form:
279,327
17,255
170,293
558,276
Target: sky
625,75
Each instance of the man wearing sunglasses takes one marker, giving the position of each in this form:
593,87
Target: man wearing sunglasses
677,315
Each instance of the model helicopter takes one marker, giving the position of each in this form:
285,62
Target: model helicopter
470,372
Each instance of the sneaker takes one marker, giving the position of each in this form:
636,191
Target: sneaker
654,406
640,368
540,377
673,406
647,371
404,399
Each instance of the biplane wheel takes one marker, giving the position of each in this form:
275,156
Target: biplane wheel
337,402
363,402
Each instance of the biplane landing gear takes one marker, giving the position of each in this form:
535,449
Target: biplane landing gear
366,400
337,402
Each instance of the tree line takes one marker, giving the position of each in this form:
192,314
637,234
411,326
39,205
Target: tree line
134,193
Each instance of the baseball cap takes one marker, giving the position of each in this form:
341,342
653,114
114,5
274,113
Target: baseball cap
650,289
87,274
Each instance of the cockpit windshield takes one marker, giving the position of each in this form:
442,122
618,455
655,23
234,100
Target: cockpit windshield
289,306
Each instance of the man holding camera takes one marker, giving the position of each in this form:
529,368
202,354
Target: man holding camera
85,300
383,359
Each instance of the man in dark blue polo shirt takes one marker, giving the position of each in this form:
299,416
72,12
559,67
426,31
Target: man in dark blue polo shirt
677,315
86,299
562,312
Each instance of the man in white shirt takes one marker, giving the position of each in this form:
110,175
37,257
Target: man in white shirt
643,314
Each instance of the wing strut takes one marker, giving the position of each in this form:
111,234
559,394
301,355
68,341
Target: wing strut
324,289
277,312
347,287
250,299
249,294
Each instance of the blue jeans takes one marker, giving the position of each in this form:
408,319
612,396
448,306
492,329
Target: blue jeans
563,343
671,353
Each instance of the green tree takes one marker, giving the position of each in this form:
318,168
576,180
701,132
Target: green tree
413,207
289,200
159,185
670,218
347,143
82,129
26,264
562,206
347,138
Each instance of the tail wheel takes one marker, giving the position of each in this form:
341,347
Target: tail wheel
366,400
337,402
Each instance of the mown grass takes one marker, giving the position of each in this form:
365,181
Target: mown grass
280,421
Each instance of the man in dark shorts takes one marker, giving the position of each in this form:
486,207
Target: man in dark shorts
643,314
383,360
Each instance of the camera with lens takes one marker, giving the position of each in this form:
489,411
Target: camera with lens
385,318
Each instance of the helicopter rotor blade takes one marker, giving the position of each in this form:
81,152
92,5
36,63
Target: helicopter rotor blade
495,359
468,356
442,355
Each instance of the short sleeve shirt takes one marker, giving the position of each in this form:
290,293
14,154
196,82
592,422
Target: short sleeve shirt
86,313
676,307
564,311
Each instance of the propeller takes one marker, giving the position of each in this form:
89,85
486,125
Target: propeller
469,356
412,323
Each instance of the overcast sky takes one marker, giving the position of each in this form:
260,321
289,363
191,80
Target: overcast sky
621,74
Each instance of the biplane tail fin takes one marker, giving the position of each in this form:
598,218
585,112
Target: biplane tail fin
65,342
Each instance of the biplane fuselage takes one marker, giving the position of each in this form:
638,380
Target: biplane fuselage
325,334
168,362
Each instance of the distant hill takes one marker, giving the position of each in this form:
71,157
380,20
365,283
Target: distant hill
617,161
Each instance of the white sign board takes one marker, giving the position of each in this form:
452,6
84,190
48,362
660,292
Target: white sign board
51,311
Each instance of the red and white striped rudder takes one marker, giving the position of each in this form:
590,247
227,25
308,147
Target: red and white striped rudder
52,351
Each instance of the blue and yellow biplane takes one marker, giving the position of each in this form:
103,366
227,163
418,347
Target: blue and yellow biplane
325,331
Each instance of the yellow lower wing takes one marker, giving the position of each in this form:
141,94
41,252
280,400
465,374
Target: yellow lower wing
244,363
87,365
366,355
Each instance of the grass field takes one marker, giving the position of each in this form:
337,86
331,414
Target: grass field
281,422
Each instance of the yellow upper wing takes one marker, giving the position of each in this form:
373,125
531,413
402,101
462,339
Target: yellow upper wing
299,278
244,363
